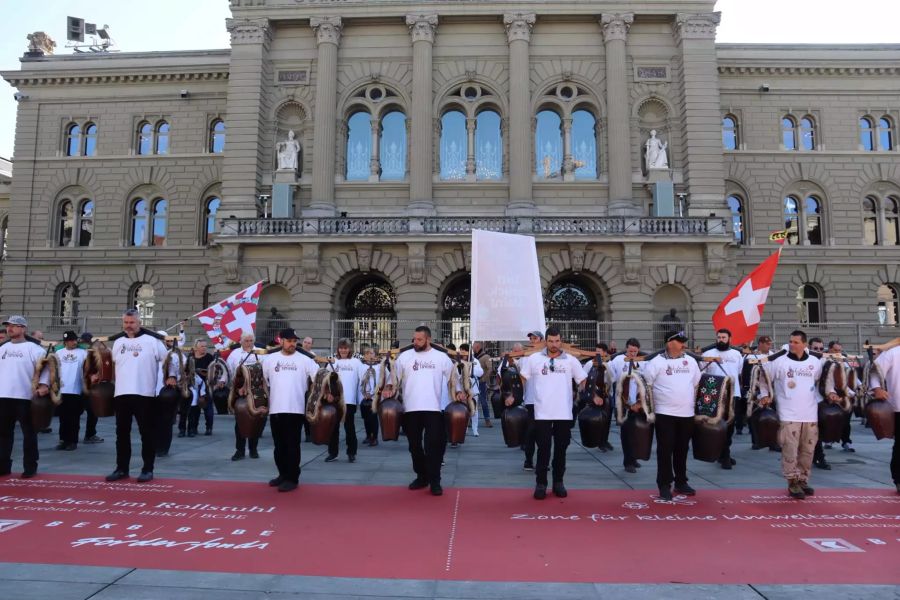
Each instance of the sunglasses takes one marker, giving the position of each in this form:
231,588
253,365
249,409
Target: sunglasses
551,366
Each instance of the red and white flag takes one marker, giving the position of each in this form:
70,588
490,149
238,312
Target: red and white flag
742,309
226,321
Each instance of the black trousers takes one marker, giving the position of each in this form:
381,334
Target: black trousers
426,426
895,454
370,420
165,419
184,411
90,424
560,434
286,439
740,413
142,409
726,453
12,411
845,434
627,456
70,418
673,437
349,433
529,445
241,443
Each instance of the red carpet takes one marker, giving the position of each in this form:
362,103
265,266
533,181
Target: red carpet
732,536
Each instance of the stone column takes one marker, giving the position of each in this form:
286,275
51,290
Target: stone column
703,166
421,28
568,162
249,79
615,31
470,149
328,37
374,161
518,32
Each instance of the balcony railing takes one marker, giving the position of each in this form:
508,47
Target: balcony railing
568,226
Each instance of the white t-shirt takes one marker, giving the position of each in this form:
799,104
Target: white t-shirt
350,371
70,369
137,362
732,363
674,382
288,378
553,384
796,390
17,363
237,356
422,375
889,361
618,366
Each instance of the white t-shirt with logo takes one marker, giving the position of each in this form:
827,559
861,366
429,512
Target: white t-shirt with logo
553,399
796,387
70,369
17,363
288,378
351,371
422,375
674,382
137,362
889,361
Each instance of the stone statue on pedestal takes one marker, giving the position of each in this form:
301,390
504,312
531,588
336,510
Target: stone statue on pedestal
288,153
656,152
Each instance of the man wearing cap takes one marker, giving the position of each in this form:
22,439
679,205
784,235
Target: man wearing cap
674,376
71,360
137,354
90,421
288,374
18,359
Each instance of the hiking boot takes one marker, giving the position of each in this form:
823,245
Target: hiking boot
806,489
559,490
795,491
540,492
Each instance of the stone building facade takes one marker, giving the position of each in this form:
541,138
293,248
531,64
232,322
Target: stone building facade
152,177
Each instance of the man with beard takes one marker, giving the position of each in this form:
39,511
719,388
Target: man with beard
731,364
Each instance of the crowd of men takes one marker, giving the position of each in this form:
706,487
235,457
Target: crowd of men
551,381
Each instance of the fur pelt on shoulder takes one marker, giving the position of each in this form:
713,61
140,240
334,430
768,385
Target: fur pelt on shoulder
241,387
461,379
758,375
184,380
50,362
833,375
327,382
644,396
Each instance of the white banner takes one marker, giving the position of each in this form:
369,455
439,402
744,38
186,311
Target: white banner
507,301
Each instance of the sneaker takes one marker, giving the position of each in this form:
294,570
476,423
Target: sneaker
145,476
528,466
540,492
848,447
487,423
436,489
276,481
475,433
192,434
208,431
685,490
287,486
60,446
630,469
93,440
238,455
608,447
117,475
795,491
181,433
896,485
254,454
806,489
70,447
559,490
29,473
331,458
665,494
351,458
418,484
374,442
822,464
827,446
725,464
454,445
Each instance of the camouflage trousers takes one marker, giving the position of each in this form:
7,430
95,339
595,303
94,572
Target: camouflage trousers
798,442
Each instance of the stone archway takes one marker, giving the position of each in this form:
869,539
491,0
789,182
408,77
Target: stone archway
572,305
368,313
666,298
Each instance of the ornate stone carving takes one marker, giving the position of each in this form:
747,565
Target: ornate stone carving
518,26
422,27
616,26
328,29
39,44
716,257
249,31
577,254
310,263
467,256
631,255
415,262
364,257
696,26
471,74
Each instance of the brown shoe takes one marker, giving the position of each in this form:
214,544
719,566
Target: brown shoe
487,423
806,489
795,491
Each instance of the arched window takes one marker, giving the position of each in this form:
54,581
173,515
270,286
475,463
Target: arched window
572,306
488,146
730,139
160,222
161,145
789,133
888,305
205,296
66,224
867,134
548,145
892,221
736,204
86,223
809,305
803,220
359,146
217,136
67,304
4,240
885,134
143,299
210,226
392,150
813,210
455,311
139,215
144,144
791,212
454,146
90,139
370,314
73,140
870,221
808,133
584,145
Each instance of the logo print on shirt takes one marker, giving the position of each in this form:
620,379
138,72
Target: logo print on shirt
12,354
422,365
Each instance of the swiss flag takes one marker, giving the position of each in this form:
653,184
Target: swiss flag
741,310
227,320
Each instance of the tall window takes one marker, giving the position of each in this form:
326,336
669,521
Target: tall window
870,220
791,212
4,231
471,148
488,146
75,223
66,224
145,139
217,136
809,305
808,133
67,304
548,145
73,140
143,299
730,132
881,220
867,134
885,134
393,146
359,146
153,139
584,145
813,210
86,223
210,227
454,146
803,220
162,138
139,215
888,305
90,139
789,133
892,221
160,222
736,204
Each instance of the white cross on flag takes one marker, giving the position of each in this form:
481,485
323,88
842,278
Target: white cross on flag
226,321
741,310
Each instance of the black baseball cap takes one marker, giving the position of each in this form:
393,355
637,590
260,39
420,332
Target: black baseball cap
288,334
70,336
679,336
87,336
